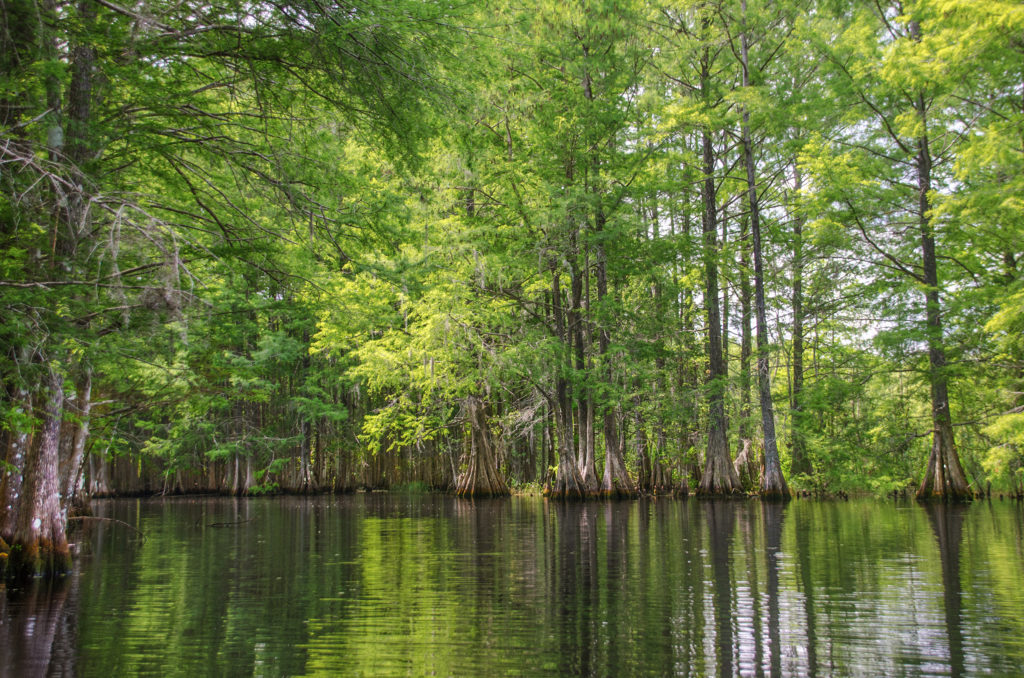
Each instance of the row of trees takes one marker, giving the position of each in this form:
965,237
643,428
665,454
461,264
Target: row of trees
314,246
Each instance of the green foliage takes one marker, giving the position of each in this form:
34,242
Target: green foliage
319,235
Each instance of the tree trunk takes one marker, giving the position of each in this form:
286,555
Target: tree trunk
17,454
70,475
944,478
773,483
568,483
481,478
719,477
800,463
40,545
306,482
725,294
746,341
584,404
746,464
236,476
99,481
616,481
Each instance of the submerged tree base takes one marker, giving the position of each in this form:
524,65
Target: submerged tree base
40,558
617,492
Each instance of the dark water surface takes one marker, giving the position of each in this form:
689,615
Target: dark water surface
430,585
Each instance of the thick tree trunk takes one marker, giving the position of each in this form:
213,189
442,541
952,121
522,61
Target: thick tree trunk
944,478
773,483
719,477
800,463
236,476
250,476
40,545
616,481
73,472
99,475
746,464
481,478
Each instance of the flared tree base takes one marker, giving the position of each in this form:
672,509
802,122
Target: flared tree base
944,479
481,478
773,486
616,483
568,483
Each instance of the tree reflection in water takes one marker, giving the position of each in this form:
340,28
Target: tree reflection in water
418,584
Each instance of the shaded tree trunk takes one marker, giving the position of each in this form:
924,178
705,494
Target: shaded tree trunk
481,477
40,543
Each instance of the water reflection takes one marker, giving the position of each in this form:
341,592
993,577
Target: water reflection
399,585
721,520
947,522
37,630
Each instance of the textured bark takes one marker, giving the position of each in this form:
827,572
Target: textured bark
40,544
481,478
71,474
99,476
746,465
773,483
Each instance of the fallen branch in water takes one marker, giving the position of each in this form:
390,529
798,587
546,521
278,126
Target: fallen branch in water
240,522
110,520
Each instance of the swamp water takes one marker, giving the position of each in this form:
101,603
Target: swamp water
375,584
